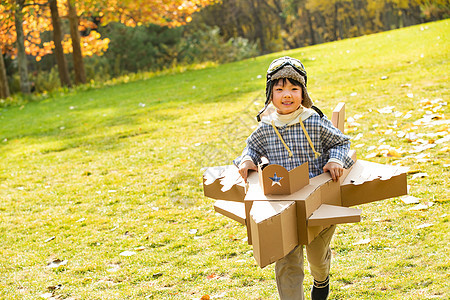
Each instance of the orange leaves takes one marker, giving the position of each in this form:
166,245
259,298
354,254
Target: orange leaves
36,19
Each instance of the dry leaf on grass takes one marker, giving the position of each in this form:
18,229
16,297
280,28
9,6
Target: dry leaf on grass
127,253
57,263
419,175
362,242
410,199
425,225
50,239
422,206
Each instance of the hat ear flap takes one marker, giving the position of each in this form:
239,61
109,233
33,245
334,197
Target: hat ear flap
306,102
269,87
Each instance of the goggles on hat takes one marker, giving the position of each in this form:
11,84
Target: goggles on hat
280,63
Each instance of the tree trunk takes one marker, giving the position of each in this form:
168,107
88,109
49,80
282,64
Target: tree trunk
4,88
258,26
310,26
57,38
78,64
25,86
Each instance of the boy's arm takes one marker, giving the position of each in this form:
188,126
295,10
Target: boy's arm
336,144
251,156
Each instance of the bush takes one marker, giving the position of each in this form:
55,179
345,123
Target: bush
206,44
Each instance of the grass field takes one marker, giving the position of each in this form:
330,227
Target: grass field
101,195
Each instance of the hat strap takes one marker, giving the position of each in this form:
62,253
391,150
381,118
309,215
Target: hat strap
281,138
316,154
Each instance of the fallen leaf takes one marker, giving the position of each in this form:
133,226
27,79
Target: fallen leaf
442,200
50,239
221,295
57,263
409,199
114,268
362,242
140,248
54,287
419,175
205,297
46,295
407,116
193,231
422,206
212,276
425,225
127,253
386,110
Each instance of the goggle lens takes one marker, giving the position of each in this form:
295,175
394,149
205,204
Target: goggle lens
280,63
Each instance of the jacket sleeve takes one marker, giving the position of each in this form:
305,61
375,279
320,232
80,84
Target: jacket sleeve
335,143
254,149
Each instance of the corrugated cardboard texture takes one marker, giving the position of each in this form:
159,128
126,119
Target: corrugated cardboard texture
231,209
368,182
273,225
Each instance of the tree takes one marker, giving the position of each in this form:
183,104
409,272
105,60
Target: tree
57,39
78,64
4,88
25,85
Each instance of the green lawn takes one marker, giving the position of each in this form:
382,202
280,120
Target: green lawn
106,183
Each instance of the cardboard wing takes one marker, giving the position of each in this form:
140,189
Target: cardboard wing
327,215
231,209
223,182
368,182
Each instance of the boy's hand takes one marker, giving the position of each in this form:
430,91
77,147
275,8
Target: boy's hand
335,170
244,167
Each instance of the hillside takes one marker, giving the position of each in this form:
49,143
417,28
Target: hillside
101,194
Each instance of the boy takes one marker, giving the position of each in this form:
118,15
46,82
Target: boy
293,131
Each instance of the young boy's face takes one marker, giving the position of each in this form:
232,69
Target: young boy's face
286,97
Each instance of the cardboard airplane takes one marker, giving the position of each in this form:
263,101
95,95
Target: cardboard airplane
282,209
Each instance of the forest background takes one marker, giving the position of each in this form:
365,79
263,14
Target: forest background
50,45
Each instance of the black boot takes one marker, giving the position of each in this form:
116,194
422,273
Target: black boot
320,289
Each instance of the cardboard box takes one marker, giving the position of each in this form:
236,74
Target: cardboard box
321,190
273,226
368,182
